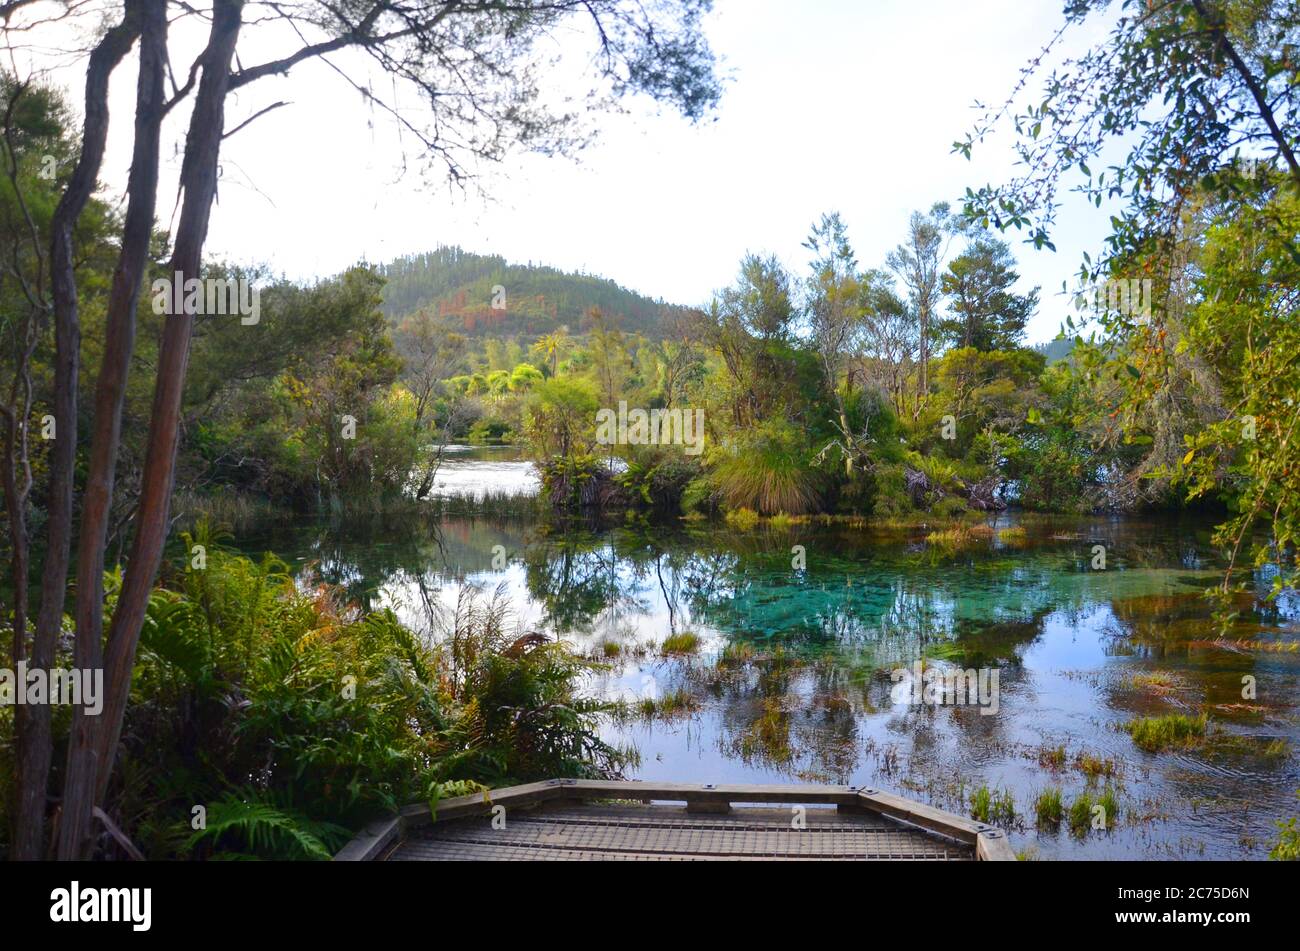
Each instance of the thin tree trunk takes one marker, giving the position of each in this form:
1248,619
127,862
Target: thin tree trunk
119,343
33,738
90,764
16,459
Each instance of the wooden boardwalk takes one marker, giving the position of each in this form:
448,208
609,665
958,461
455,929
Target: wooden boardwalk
576,820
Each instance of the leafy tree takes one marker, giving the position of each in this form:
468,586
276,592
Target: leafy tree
917,262
1192,88
551,347
1202,98
985,313
524,377
560,419
836,320
750,326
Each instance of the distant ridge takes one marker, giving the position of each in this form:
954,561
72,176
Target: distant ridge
1056,350
538,299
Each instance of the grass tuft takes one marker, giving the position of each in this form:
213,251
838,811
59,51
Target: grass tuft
1154,734
684,642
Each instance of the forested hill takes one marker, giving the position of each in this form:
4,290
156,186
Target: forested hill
533,300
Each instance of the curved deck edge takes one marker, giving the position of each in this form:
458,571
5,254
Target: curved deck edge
373,842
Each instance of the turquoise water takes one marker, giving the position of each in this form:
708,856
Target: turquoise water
815,620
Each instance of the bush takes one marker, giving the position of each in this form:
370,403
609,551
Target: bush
892,498
768,470
659,481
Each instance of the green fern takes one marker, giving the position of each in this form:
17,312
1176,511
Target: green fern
266,831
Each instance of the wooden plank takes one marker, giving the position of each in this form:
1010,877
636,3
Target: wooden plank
710,793
506,853
458,807
817,819
716,799
668,831
370,844
928,817
993,846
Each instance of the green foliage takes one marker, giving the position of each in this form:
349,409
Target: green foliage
986,313
560,419
260,830
293,716
1048,810
1287,847
892,499
1246,328
275,398
994,808
659,480
1080,814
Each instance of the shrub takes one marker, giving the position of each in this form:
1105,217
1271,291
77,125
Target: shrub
768,470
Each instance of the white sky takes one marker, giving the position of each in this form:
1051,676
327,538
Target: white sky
848,105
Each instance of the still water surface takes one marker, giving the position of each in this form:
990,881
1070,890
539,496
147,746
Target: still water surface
806,692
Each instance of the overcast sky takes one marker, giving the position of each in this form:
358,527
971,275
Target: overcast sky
848,105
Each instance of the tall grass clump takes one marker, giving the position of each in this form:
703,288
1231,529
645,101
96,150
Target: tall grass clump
994,808
683,642
1154,734
1081,814
1048,809
767,470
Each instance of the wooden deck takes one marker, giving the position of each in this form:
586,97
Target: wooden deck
577,820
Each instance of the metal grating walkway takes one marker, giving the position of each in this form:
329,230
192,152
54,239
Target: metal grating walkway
664,833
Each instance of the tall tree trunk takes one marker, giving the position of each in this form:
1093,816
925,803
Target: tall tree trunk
33,734
119,343
923,388
90,756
